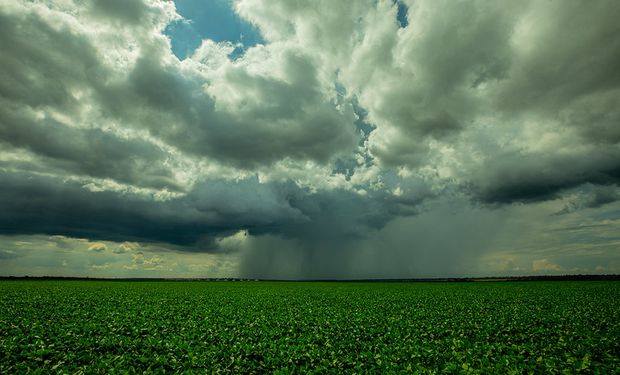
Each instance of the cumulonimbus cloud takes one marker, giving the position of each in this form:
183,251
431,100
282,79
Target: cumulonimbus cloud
343,120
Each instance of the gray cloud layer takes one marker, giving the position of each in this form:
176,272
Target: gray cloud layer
344,121
44,205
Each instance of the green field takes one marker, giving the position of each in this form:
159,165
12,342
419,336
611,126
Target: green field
503,327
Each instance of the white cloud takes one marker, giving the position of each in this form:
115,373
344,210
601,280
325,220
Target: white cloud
541,265
98,247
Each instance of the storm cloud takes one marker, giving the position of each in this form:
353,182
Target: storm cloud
351,126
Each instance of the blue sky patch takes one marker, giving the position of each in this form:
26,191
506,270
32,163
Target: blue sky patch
213,19
401,15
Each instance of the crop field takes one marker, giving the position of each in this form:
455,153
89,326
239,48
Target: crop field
294,327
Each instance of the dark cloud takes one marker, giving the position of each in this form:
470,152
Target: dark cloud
591,196
49,68
34,204
596,117
308,234
9,254
338,224
86,151
38,204
280,118
283,117
427,84
52,69
132,12
565,50
42,64
530,69
602,195
535,177
445,239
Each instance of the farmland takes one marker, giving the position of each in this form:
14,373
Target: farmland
495,327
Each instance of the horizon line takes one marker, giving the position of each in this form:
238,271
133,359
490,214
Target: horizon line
565,277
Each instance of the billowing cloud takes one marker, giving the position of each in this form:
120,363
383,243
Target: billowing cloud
351,126
545,265
98,246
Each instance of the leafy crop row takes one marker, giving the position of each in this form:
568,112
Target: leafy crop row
256,327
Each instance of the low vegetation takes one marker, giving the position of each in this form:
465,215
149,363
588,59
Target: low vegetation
287,327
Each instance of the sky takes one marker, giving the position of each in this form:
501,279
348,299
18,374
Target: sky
314,139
